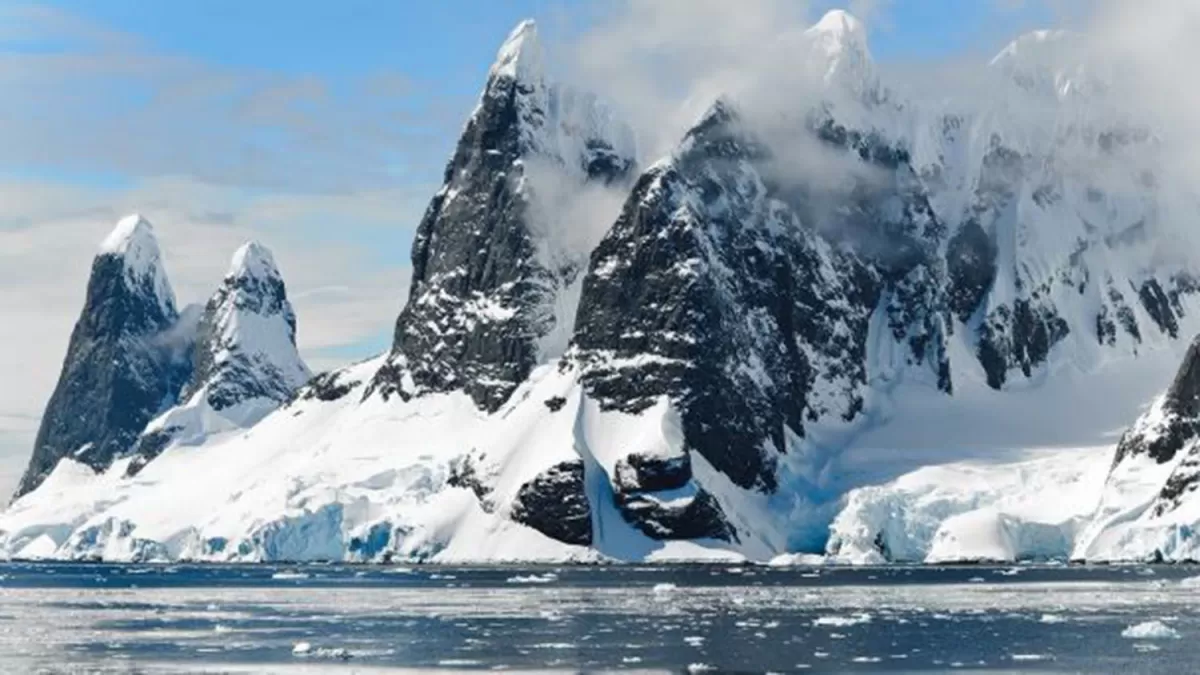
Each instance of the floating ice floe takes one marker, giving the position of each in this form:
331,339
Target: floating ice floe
1150,630
842,621
289,576
546,578
1031,657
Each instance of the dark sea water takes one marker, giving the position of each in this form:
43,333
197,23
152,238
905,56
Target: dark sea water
204,618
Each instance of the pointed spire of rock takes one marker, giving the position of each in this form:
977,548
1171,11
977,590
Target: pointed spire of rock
125,361
520,57
254,260
246,361
247,346
840,39
842,25
134,242
494,253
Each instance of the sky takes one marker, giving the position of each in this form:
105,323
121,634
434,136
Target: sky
319,128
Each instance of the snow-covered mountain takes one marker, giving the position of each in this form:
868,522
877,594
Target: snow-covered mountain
125,363
244,363
741,349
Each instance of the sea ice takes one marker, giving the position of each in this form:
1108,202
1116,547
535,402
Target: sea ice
1150,630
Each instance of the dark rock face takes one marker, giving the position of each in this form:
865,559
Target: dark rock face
149,446
555,504
699,517
1020,338
1179,417
1122,316
747,303
123,367
481,296
1159,307
658,496
710,292
466,472
971,265
328,387
1178,431
639,473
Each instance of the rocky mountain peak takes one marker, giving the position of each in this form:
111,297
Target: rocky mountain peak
246,363
841,27
497,254
839,39
520,57
126,361
253,260
247,336
134,243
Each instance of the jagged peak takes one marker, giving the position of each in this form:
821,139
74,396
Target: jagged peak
254,260
838,31
839,43
840,22
131,232
134,241
520,57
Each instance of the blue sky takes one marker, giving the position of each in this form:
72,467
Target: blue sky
318,127
431,55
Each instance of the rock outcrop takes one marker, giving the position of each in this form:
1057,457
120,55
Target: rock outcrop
128,359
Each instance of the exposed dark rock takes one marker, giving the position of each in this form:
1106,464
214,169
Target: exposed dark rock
328,387
148,447
465,473
1176,424
124,363
555,504
971,266
712,291
638,473
1159,306
669,517
658,496
1106,326
1018,339
481,296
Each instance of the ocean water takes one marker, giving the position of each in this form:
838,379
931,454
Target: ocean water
340,618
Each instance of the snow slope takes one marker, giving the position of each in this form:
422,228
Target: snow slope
371,483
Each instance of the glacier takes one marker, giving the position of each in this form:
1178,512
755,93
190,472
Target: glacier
711,355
